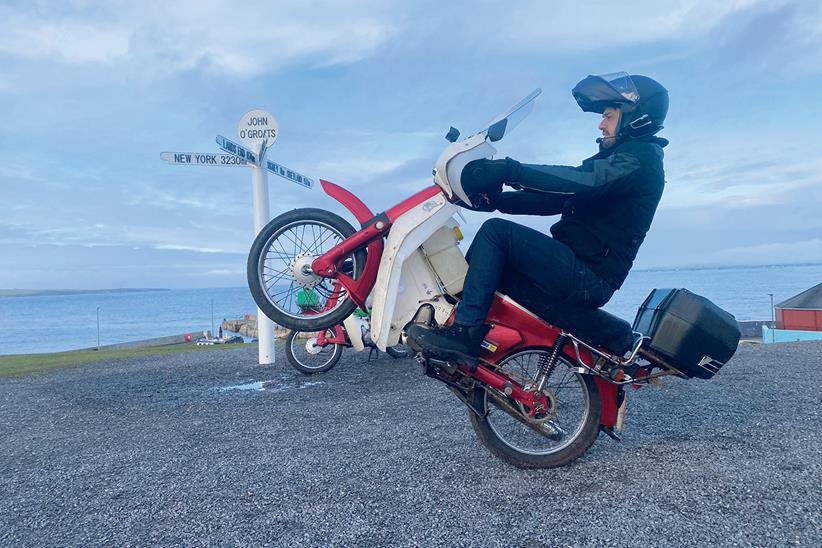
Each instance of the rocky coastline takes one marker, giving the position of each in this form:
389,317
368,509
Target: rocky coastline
247,327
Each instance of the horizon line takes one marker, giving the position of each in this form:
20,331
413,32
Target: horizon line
638,269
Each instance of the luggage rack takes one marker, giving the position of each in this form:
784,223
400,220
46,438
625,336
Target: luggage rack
638,351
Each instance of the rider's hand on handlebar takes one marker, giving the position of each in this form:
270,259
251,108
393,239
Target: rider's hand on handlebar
488,176
484,202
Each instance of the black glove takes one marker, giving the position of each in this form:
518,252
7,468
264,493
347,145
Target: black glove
482,180
483,175
479,202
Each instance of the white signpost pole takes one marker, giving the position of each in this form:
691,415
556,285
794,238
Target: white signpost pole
258,130
265,327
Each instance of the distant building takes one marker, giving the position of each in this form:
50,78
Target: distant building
798,318
801,312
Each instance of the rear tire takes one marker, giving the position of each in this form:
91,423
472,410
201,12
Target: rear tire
503,435
277,246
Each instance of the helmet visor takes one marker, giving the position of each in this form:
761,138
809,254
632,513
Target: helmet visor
596,93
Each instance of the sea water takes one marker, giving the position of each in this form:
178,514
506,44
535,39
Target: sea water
66,322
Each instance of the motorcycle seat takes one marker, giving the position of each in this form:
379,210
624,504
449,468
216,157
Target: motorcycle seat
594,326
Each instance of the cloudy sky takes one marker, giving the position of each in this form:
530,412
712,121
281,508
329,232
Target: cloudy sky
92,92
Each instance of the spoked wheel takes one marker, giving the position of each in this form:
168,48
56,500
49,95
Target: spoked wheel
279,269
549,440
306,356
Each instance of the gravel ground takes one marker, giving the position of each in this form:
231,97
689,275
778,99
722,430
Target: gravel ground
152,452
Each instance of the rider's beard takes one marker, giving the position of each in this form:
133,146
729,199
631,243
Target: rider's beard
607,141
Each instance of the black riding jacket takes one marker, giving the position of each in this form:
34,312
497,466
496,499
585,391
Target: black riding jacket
607,203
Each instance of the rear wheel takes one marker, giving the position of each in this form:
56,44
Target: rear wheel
279,269
306,356
549,441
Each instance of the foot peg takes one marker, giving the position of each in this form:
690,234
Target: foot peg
448,367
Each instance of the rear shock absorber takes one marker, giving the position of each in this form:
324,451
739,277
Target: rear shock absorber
547,364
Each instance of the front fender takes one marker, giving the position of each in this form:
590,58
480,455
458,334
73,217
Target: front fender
358,289
349,200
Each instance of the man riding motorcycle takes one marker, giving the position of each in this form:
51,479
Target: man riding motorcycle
607,205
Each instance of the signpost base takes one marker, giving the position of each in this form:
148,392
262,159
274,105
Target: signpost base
265,336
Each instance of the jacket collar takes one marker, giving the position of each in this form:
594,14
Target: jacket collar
605,152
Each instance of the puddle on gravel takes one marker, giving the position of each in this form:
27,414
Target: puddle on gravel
268,386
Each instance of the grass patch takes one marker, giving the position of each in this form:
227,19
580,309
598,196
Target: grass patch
25,364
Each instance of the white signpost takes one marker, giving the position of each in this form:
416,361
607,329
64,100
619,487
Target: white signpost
257,131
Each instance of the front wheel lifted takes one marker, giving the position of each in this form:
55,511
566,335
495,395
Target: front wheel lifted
280,276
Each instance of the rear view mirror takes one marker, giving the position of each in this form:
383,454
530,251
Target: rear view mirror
497,131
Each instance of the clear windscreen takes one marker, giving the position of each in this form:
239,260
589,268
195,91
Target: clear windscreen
514,115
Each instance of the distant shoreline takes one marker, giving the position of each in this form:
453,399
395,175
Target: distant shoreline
638,268
719,267
55,292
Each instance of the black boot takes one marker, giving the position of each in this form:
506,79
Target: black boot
458,343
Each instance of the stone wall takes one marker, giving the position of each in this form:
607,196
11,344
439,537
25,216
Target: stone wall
247,327
752,329
157,341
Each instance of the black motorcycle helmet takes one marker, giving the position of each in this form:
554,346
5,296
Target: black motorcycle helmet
643,101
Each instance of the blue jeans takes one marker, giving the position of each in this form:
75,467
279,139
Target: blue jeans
529,267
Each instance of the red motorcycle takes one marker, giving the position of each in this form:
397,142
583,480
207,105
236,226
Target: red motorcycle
547,381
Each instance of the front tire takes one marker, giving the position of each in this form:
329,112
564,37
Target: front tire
564,438
279,268
296,351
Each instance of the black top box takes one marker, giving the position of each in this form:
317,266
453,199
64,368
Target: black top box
689,331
